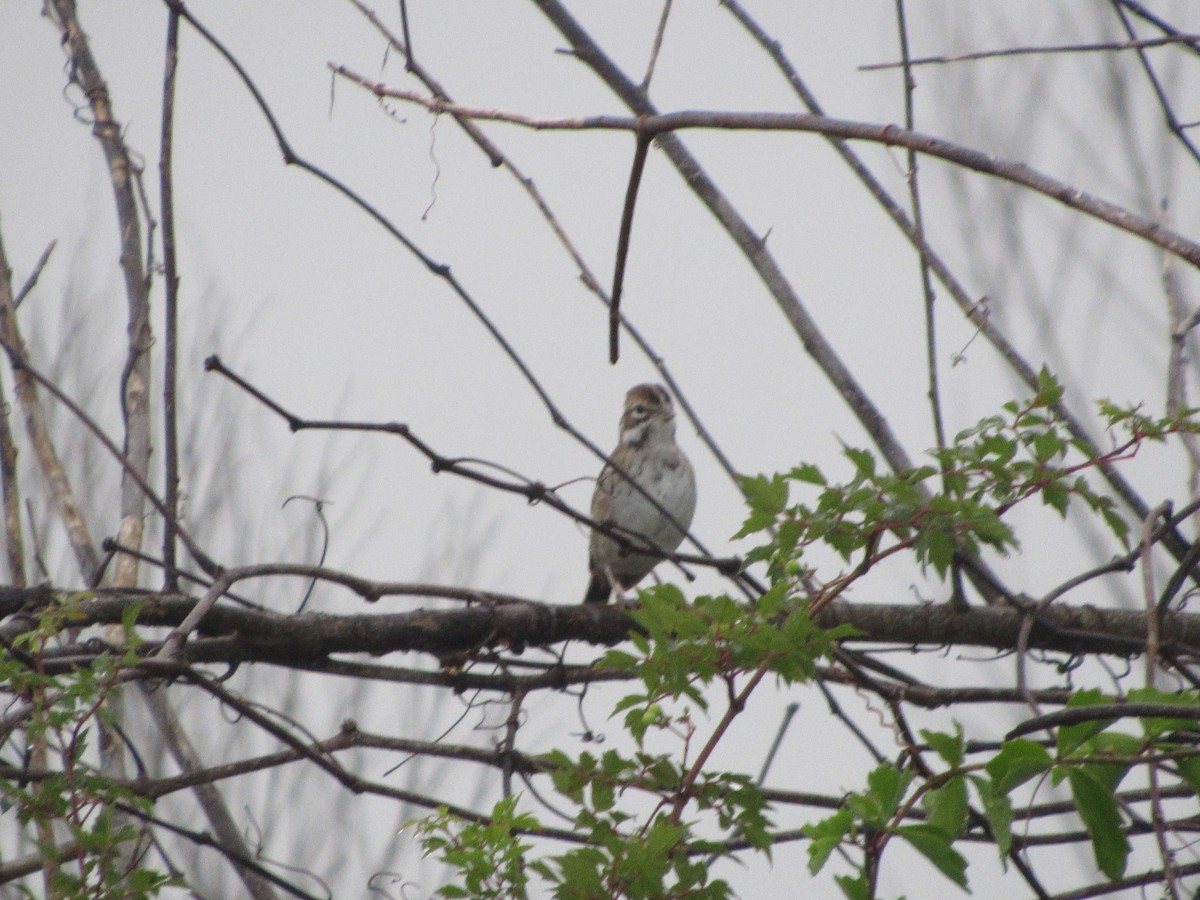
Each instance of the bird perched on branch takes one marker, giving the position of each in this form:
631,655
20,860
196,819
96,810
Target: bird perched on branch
646,493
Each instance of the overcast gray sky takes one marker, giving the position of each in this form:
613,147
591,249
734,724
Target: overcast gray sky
322,310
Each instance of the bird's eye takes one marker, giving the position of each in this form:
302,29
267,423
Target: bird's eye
639,409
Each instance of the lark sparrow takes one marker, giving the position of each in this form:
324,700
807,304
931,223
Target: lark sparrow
648,455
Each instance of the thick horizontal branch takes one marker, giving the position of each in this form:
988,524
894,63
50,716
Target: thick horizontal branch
234,634
1062,628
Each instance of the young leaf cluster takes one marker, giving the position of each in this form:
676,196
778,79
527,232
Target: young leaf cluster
1090,758
69,803
956,503
653,819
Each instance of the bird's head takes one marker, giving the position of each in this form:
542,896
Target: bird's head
649,416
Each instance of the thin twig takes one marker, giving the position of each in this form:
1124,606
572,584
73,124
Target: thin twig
658,41
662,125
32,280
957,594
497,158
1181,326
972,307
1164,102
69,509
175,739
1152,613
1096,47
1101,713
22,367
631,193
1157,818
533,491
14,544
170,307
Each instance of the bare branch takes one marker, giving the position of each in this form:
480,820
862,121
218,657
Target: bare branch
136,383
22,367
497,158
14,544
631,192
1094,47
170,306
533,491
39,435
185,756
657,125
311,636
32,280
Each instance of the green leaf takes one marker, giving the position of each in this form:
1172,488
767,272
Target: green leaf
1121,748
887,785
1049,391
844,540
787,538
766,495
809,474
129,616
1018,761
991,529
937,846
999,812
755,522
1056,497
1155,727
619,660
1001,448
1098,809
1116,524
1071,737
855,888
602,795
939,549
863,461
581,869
946,806
825,836
1189,770
1047,446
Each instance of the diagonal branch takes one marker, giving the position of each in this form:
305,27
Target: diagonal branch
974,310
21,365
533,491
39,435
135,387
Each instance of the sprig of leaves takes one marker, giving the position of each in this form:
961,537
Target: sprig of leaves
74,800
956,503
642,813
